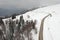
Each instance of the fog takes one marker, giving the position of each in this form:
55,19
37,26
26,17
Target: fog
26,3
15,5
19,3
44,3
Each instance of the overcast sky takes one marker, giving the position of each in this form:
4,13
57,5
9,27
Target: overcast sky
49,2
19,3
23,4
26,3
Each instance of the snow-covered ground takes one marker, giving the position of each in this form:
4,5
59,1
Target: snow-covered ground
51,24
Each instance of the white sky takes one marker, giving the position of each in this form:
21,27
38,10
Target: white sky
27,3
19,3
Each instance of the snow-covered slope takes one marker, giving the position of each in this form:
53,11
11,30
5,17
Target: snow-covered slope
51,29
32,16
51,25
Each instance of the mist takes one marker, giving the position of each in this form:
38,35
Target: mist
8,7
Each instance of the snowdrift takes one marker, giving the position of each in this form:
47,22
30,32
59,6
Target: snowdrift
50,25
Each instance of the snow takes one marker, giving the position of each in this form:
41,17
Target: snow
34,16
51,24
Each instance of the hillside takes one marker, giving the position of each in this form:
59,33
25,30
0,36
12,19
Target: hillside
27,26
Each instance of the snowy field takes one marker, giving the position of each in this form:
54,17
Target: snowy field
51,29
51,24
